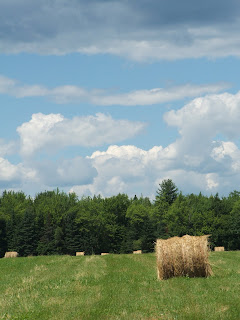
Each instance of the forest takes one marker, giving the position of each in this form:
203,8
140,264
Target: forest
55,222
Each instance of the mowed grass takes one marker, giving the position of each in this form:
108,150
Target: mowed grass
115,287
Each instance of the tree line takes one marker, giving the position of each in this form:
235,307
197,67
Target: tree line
58,223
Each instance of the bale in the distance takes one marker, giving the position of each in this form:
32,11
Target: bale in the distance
104,253
219,249
80,253
185,256
11,254
137,252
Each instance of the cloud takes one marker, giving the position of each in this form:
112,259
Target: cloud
204,157
131,170
74,94
65,173
196,161
13,88
228,155
7,148
201,120
139,30
53,132
13,175
46,174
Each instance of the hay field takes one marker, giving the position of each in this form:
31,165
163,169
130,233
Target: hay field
115,287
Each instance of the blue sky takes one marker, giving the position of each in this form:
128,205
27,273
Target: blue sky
102,97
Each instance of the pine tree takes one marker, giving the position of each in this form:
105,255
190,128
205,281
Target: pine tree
27,239
46,244
167,192
71,234
3,237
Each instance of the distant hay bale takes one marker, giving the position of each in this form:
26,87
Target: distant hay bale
185,256
104,253
11,254
80,253
137,252
219,249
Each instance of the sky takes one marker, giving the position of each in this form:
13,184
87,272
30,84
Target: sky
107,97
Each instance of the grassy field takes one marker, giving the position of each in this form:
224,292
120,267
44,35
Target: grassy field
115,287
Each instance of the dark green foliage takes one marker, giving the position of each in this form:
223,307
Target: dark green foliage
59,223
167,192
46,243
58,240
27,238
3,237
234,228
141,225
71,232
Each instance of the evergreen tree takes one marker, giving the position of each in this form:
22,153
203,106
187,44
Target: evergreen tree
3,237
71,233
167,192
58,240
46,244
140,227
27,240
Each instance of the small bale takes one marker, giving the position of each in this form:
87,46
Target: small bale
219,249
104,253
11,254
137,252
82,253
183,256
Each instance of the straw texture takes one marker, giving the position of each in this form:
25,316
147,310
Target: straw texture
137,252
219,249
185,256
80,253
11,254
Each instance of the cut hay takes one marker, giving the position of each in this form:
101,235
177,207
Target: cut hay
104,253
185,256
82,253
11,254
219,249
137,252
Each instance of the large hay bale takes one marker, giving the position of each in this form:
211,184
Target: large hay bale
137,252
11,254
219,249
185,256
104,253
80,253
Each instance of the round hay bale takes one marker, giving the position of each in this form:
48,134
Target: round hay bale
81,253
104,253
185,256
137,252
11,254
219,249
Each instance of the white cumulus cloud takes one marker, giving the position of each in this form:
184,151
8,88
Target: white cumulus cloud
53,132
196,161
13,175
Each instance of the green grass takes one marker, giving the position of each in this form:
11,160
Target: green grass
115,287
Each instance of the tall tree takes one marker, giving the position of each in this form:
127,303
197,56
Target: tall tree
72,239
27,243
46,244
3,237
167,192
166,195
140,227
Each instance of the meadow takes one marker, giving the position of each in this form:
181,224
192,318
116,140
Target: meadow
116,287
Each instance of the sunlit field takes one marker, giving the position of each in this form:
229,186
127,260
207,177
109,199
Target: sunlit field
115,287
